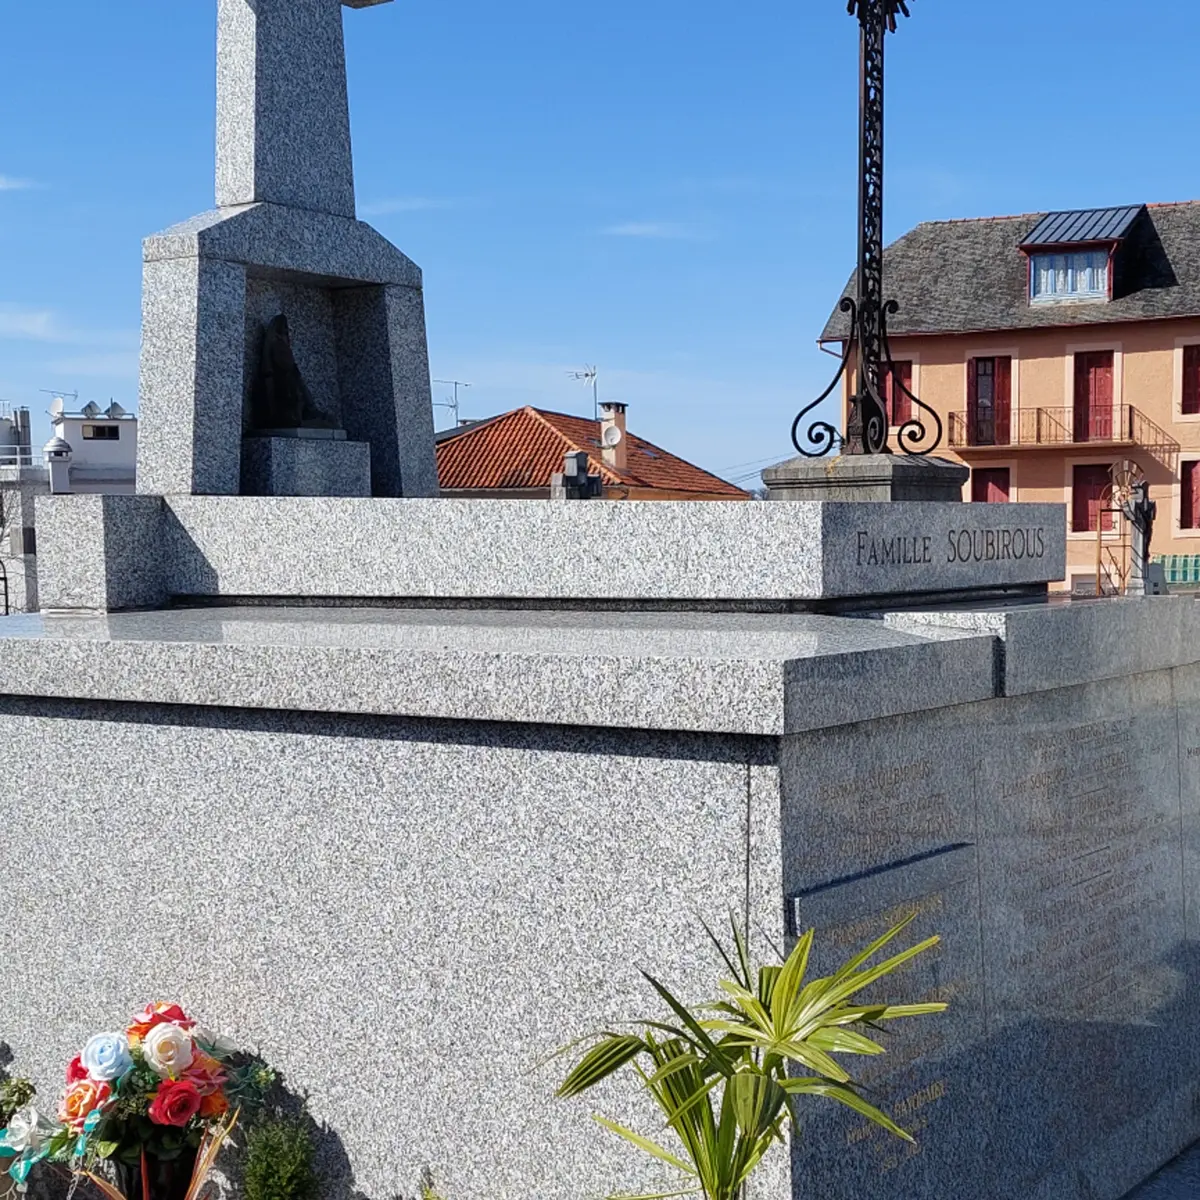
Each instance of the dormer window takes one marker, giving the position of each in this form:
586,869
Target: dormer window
1076,276
1073,256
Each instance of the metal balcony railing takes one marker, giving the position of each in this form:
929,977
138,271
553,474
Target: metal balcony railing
16,456
1119,425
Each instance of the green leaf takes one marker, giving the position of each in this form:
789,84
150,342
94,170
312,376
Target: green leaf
600,1062
843,1041
105,1149
791,978
643,1143
756,1101
844,1095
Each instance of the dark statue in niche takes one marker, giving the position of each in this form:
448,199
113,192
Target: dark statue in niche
1140,511
281,399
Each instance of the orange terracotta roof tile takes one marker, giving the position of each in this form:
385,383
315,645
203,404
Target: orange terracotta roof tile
523,448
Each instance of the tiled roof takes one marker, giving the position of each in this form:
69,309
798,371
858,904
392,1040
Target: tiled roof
970,276
523,448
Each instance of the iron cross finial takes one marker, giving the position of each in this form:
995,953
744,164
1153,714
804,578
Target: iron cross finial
861,9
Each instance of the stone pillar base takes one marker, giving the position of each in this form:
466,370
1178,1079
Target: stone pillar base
291,466
866,477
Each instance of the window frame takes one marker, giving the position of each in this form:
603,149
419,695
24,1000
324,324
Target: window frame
1178,529
1073,534
1010,467
1181,346
90,430
915,360
1070,253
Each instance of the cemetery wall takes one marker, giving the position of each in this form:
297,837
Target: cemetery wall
407,914
404,916
1051,840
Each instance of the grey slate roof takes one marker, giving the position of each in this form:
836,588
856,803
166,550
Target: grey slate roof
1090,225
971,277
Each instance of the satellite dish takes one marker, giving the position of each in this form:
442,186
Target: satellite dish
114,410
91,409
612,436
56,406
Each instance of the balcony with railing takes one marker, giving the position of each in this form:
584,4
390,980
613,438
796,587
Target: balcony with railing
1050,428
18,456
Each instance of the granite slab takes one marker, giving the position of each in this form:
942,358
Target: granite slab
332,889
288,466
1067,642
679,551
748,674
1073,1059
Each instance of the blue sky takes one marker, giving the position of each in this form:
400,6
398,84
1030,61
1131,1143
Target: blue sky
664,189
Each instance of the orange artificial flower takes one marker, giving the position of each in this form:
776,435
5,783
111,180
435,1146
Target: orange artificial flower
80,1099
214,1106
206,1073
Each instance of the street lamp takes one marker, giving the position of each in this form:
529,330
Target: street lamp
867,343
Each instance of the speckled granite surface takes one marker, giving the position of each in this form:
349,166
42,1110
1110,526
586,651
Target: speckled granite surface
1179,1180
750,673
680,553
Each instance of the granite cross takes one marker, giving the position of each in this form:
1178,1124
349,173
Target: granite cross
283,115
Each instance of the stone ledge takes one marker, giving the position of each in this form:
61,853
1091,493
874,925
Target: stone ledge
1069,642
757,675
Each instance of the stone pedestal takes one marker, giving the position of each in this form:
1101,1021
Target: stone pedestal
283,240
291,466
866,477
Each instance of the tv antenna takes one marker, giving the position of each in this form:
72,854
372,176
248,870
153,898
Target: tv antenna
60,395
452,405
590,375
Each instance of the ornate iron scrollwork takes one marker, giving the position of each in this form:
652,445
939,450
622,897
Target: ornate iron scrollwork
867,344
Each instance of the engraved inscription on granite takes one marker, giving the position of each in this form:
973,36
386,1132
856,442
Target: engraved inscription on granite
960,546
1082,815
926,547
1079,1071
918,1080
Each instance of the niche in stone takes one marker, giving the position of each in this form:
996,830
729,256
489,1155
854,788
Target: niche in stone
280,400
294,437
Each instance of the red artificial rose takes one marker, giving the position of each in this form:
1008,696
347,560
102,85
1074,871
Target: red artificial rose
76,1070
157,1014
177,1102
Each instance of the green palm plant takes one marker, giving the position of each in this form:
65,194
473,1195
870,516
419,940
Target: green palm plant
721,1073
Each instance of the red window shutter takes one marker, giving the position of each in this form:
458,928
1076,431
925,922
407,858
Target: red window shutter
901,404
1102,395
1003,402
1189,478
1087,496
1082,397
990,486
1191,379
972,401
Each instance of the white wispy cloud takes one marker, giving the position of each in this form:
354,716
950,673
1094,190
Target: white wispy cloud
674,231
118,364
406,204
10,184
28,324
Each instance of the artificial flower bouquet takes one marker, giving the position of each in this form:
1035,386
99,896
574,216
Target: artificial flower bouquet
155,1102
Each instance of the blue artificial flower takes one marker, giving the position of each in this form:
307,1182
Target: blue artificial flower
106,1057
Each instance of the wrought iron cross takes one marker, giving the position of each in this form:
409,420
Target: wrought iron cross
867,344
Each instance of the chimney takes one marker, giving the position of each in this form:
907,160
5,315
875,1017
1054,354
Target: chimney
24,437
613,438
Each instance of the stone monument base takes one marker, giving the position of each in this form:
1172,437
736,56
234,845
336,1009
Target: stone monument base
866,477
305,466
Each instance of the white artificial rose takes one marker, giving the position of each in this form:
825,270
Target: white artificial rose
169,1050
27,1130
